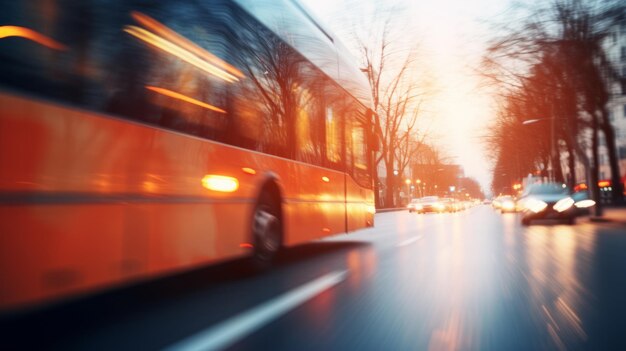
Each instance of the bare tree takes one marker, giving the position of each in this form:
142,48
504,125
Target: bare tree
396,101
556,55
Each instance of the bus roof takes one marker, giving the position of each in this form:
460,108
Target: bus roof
294,24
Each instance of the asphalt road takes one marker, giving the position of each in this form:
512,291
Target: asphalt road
475,280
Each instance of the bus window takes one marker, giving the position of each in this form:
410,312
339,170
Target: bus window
126,59
359,161
42,57
172,73
333,138
309,128
362,160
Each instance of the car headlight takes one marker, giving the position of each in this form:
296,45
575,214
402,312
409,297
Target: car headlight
508,205
535,205
564,204
585,203
440,206
418,207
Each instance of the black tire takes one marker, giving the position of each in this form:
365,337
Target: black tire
525,222
570,221
266,231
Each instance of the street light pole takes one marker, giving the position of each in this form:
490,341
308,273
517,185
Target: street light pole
419,188
552,150
395,184
408,189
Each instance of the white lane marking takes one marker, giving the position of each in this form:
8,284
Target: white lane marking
410,241
235,328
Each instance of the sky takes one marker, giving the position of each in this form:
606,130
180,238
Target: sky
451,36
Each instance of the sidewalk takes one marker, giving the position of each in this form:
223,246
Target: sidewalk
611,214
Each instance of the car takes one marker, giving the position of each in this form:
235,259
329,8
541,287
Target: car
428,204
452,205
413,205
496,203
550,201
507,204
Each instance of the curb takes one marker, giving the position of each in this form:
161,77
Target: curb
600,220
383,210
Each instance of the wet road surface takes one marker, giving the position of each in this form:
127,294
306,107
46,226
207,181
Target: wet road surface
474,280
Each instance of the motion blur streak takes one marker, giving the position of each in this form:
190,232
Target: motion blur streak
183,42
184,98
15,31
179,52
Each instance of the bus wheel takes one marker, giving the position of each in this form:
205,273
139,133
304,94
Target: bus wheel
266,230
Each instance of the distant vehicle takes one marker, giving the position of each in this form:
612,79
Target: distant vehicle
413,205
551,201
428,204
486,202
507,204
452,205
496,203
462,205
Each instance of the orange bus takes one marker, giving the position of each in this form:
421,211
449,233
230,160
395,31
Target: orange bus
140,139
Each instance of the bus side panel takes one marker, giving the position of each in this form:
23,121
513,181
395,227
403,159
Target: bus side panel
91,200
170,237
53,250
359,206
314,203
50,250
138,191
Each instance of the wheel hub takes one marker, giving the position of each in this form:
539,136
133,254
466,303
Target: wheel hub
266,232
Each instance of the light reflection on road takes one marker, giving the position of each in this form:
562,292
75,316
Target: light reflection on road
553,254
467,272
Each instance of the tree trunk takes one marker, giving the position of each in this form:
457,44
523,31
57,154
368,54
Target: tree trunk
617,197
571,164
594,174
391,185
557,168
377,190
584,159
